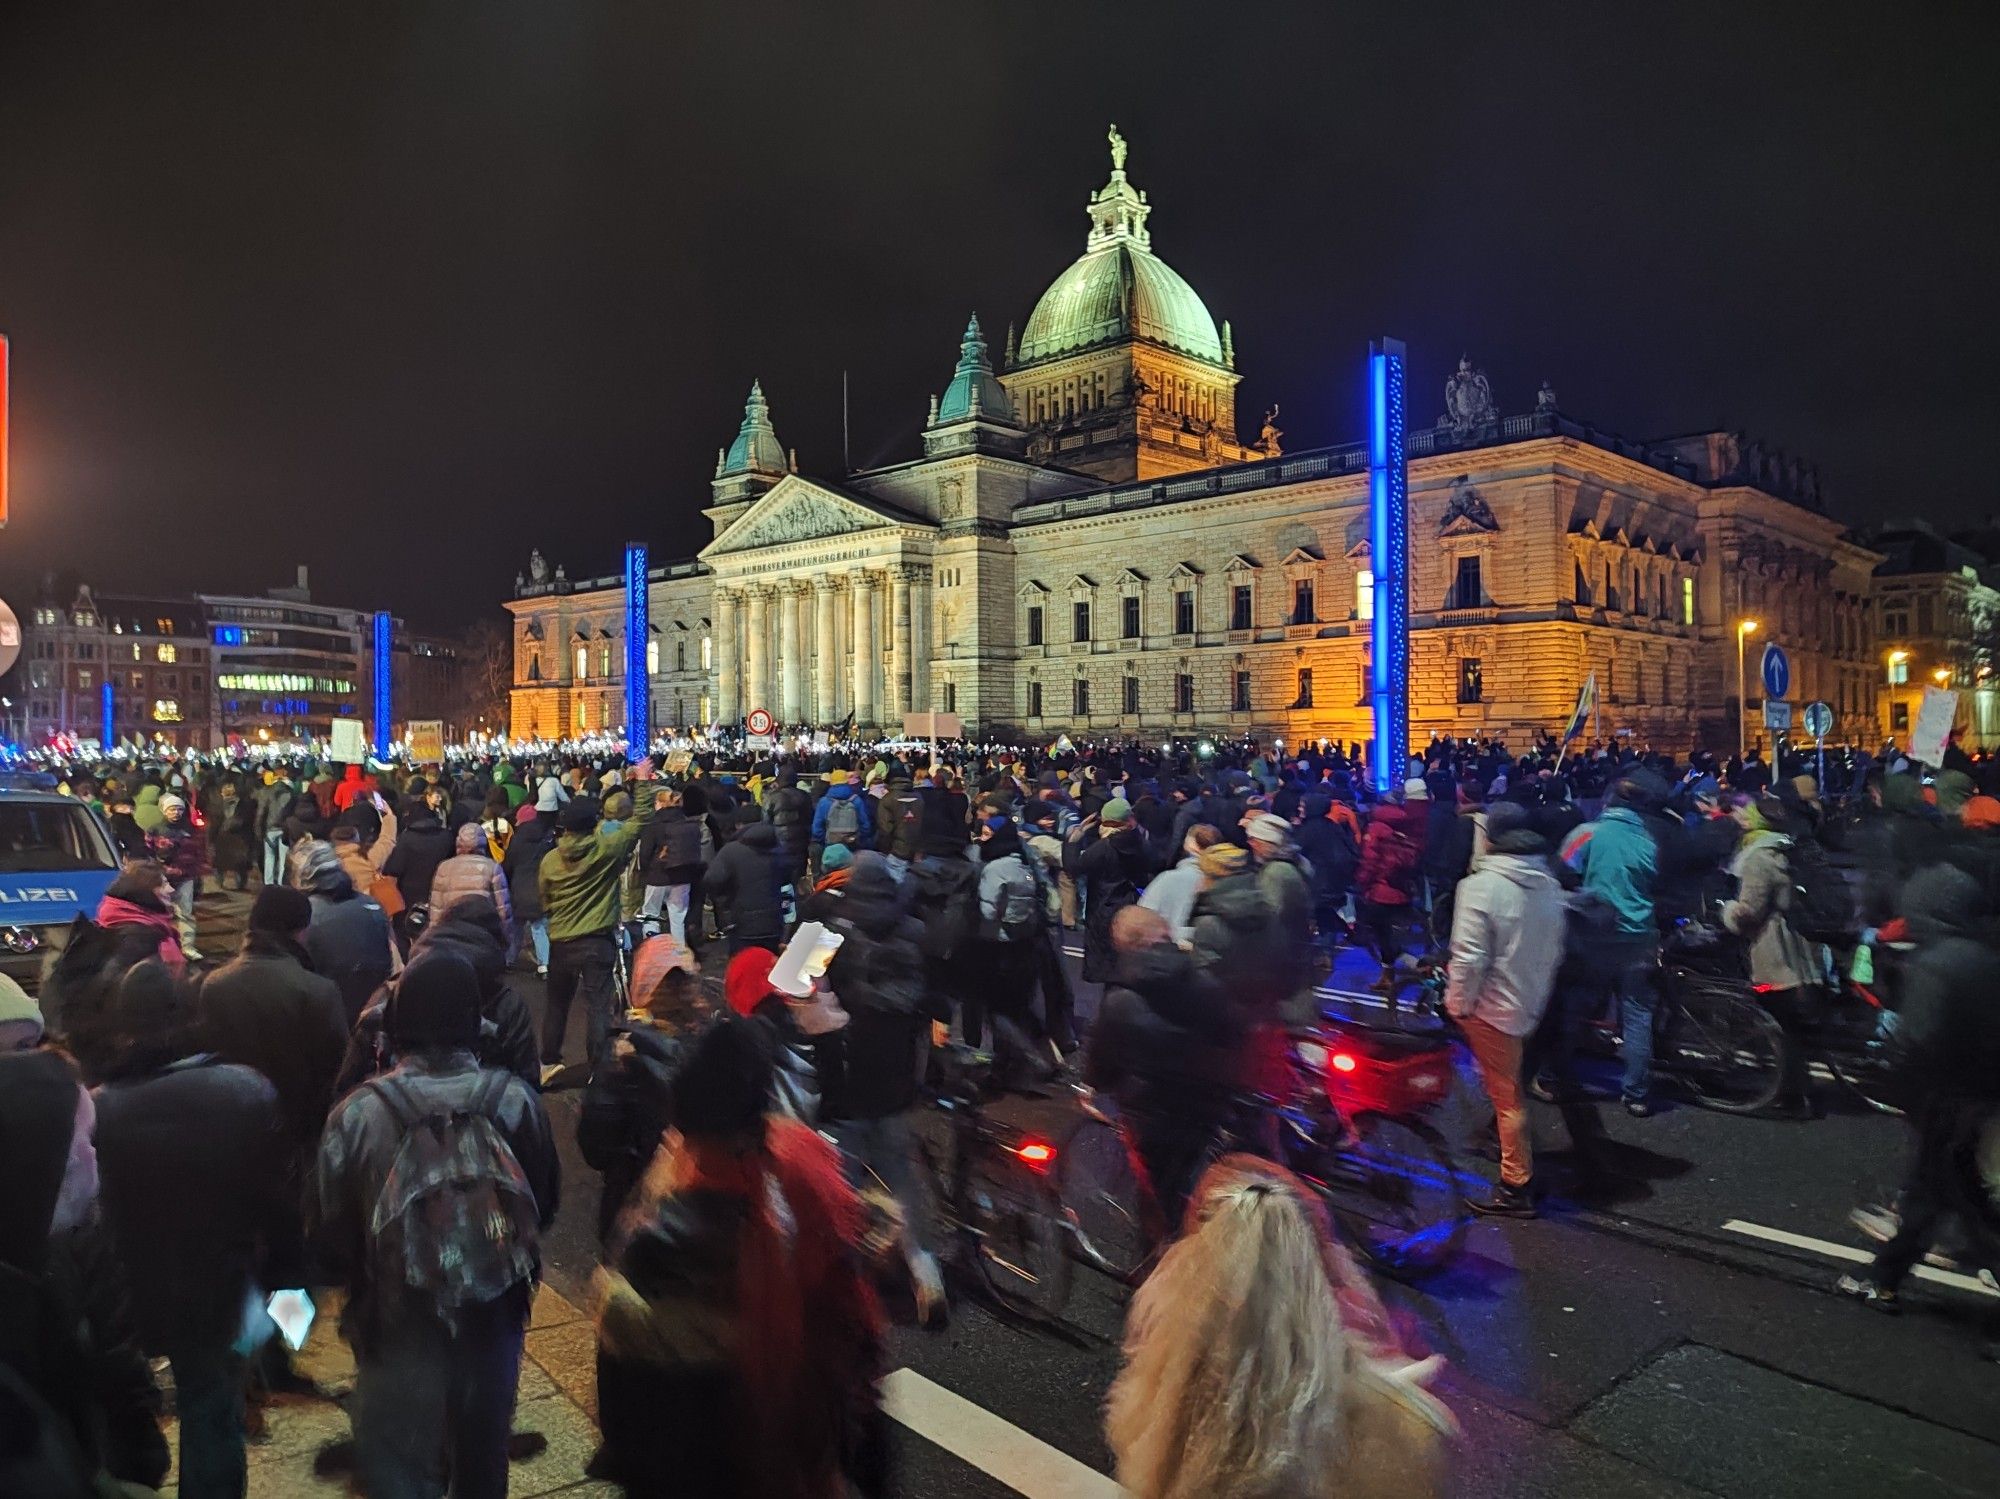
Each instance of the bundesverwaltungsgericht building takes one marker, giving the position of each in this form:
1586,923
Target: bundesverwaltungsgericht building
1089,544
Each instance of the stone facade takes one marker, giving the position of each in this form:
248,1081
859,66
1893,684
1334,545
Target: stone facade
1085,547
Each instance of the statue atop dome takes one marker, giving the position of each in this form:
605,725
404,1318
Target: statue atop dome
1117,150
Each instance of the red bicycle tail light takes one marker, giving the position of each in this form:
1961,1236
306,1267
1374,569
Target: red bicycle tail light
1344,1061
1036,1154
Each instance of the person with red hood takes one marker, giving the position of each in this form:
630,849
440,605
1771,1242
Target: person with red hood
350,789
737,1342
805,1031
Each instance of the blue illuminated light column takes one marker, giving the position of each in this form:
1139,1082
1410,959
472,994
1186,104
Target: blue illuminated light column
385,663
1389,556
110,713
638,630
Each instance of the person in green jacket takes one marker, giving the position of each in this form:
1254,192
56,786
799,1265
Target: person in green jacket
504,777
579,880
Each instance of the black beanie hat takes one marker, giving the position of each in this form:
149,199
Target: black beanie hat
724,1087
280,909
435,1004
578,816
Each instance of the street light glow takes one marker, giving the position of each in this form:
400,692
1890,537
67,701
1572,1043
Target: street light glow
1747,627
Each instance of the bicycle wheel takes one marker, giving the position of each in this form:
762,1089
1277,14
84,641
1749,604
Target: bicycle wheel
1727,1049
1395,1194
1017,1236
1103,1200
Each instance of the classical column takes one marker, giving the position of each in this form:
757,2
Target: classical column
823,648
899,646
791,652
861,583
920,640
728,674
757,662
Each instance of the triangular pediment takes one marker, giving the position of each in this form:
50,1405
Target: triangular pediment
798,510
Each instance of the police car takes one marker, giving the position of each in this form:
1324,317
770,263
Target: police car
57,858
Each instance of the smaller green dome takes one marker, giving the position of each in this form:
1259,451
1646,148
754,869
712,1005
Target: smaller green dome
975,391
756,449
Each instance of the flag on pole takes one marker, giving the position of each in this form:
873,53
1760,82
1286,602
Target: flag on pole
1586,705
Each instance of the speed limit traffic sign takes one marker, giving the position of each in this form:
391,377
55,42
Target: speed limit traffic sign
759,721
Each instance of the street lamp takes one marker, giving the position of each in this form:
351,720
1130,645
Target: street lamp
1744,629
1943,676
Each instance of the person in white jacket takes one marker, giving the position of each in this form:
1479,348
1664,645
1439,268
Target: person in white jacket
1172,893
1506,944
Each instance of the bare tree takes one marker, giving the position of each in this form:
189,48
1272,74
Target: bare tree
487,655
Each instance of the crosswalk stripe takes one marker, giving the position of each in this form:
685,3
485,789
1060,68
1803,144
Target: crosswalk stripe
999,1449
1856,1256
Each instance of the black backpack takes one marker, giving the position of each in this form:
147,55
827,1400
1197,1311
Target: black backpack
1822,904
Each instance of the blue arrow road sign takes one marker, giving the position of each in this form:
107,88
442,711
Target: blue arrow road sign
1777,671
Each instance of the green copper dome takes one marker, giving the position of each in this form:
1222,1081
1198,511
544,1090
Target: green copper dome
1119,289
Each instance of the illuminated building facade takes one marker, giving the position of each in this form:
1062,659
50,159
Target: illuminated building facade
150,654
1087,546
1937,624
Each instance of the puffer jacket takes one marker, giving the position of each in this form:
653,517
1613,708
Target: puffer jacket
790,811
473,875
1392,854
580,875
360,1144
1779,957
744,883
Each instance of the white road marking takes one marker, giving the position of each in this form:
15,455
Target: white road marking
997,1448
1855,1256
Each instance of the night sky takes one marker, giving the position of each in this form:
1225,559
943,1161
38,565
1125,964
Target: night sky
403,290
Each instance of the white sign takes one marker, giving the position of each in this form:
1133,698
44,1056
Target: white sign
1934,720
350,745
760,741
1777,715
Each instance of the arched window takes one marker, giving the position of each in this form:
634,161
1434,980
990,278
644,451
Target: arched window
582,661
652,658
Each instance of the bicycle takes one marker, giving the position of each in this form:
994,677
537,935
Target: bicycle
995,1193
1354,1130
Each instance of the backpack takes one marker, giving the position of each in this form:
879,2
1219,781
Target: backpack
843,822
455,1218
1822,904
1020,911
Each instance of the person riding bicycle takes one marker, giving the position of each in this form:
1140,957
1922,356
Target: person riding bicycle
1783,967
1170,1050
1619,863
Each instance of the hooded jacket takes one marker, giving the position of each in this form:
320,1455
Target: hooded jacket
670,853
790,811
847,791
1166,1043
1173,895
1392,854
532,840
422,845
477,876
1948,1040
1620,864
1506,942
878,975
580,875
1112,866
744,883
348,941
1779,957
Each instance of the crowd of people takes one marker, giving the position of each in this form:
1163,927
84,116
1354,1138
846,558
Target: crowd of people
358,1099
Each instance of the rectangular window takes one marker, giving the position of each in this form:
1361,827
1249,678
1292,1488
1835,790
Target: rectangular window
680,656
1305,698
1899,672
1364,595
1471,681
1129,617
1239,607
1302,602
1899,717
83,680
1079,620
1466,592
1034,700
951,697
196,680
1239,699
1184,612
1131,696
1080,698
1184,693
1926,616
1034,624
1687,601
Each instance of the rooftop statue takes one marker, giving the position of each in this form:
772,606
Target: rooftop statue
1468,399
1117,150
